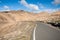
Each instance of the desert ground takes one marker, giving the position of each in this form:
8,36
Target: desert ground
18,25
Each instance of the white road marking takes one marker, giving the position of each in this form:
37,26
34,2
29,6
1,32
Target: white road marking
34,33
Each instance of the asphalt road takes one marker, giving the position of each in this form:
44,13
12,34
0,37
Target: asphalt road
45,32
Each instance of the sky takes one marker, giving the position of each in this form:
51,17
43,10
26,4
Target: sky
30,5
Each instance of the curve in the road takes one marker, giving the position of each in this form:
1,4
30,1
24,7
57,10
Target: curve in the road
45,32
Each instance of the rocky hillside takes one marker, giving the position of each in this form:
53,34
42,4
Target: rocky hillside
23,16
14,16
16,30
17,25
55,16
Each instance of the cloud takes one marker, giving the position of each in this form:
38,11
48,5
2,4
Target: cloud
56,2
30,6
6,8
24,3
41,5
51,10
35,7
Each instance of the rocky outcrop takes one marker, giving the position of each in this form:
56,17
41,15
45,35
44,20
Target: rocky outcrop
55,16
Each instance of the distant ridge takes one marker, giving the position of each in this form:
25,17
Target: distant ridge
22,15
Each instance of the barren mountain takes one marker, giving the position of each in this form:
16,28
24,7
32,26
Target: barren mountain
14,25
55,16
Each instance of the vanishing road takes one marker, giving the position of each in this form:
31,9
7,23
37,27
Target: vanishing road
45,32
